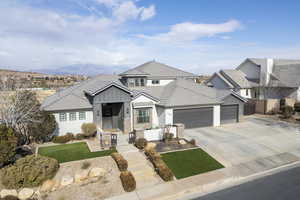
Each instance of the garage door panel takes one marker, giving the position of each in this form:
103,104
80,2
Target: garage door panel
229,114
194,118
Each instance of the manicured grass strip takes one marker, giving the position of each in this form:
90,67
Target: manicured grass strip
70,152
190,162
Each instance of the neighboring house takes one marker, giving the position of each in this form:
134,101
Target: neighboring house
148,96
257,78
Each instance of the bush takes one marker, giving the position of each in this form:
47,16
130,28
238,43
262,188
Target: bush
9,198
297,106
168,136
121,162
85,165
163,170
152,155
287,111
89,129
193,142
128,181
63,139
30,171
141,143
79,136
8,144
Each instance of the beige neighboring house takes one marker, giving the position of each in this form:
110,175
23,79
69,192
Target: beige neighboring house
148,96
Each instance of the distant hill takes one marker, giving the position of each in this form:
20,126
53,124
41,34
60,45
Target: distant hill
20,73
83,69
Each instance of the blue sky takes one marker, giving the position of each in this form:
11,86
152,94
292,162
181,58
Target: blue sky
200,36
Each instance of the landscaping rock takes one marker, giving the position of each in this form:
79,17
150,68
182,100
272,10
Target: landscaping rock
151,145
182,142
66,180
5,193
81,176
95,172
56,185
25,193
47,186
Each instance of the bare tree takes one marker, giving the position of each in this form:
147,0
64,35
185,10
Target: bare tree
18,108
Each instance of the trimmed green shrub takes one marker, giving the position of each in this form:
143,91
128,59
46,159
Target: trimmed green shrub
8,144
297,106
85,165
79,136
89,129
140,143
287,111
30,171
121,162
63,139
128,181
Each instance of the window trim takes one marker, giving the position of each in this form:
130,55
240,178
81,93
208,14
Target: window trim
82,115
143,115
64,118
72,119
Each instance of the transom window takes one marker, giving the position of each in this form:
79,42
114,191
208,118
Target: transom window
136,82
155,82
82,115
72,116
143,115
62,117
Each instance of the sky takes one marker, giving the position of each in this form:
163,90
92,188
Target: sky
200,36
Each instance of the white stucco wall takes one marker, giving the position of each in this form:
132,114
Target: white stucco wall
144,99
251,70
217,115
161,82
72,126
243,93
169,116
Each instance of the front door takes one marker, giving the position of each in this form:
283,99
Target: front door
107,117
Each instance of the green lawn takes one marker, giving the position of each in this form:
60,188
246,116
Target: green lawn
70,152
190,162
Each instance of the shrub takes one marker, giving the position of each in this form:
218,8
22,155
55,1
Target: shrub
121,162
168,136
163,170
128,181
141,143
193,142
64,138
297,106
79,136
287,111
9,198
85,165
8,144
152,155
29,171
89,129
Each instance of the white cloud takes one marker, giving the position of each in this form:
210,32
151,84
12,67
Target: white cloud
225,37
126,10
189,31
148,13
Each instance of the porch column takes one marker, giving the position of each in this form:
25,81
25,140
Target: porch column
127,117
98,115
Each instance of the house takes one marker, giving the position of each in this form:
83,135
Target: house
148,96
257,78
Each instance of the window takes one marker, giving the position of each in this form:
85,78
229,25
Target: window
142,82
247,92
72,116
155,82
130,82
82,116
137,82
62,117
143,116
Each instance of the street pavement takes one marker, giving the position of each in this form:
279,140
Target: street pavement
284,185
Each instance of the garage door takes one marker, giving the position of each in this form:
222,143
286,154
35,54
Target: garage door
194,118
229,114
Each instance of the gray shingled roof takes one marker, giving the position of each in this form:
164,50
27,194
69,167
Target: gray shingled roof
74,97
238,78
156,69
288,75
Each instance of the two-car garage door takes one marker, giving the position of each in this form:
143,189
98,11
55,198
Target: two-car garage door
194,117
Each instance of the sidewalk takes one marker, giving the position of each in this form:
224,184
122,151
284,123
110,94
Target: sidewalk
211,181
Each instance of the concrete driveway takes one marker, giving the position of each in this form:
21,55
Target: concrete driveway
254,138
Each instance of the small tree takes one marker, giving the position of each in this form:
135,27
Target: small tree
89,129
287,111
8,144
43,130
